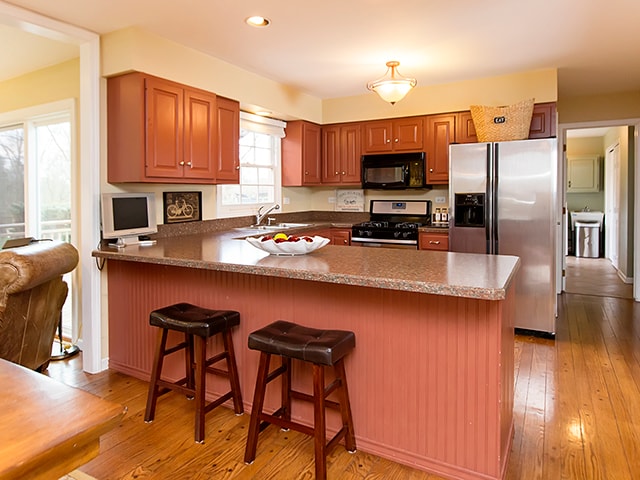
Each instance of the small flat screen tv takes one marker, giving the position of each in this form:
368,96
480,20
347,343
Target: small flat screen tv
127,216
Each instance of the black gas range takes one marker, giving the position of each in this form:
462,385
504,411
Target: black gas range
392,223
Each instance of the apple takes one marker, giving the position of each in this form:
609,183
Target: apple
266,238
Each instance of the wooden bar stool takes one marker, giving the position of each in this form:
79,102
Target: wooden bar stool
197,324
321,348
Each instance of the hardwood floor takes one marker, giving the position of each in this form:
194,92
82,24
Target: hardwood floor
576,414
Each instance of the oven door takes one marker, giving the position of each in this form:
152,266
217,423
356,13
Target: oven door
386,243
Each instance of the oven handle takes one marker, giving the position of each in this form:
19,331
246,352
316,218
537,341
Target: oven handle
383,240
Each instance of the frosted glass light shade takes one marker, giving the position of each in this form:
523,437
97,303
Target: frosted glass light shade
392,87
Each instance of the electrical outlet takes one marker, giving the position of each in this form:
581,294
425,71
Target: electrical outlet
285,200
441,199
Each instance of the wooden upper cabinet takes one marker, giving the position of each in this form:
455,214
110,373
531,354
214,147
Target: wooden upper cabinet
396,135
200,135
164,132
341,154
228,155
165,122
301,154
440,133
543,124
465,129
543,120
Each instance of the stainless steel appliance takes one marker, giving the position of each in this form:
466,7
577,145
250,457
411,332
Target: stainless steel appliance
503,199
394,170
392,223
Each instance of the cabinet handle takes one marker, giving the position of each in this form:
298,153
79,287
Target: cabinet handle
337,173
188,164
343,173
306,173
238,167
182,164
389,141
345,241
396,140
434,242
431,170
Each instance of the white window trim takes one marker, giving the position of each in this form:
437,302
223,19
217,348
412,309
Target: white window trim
267,126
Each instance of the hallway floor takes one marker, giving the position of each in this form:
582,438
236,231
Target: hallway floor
595,276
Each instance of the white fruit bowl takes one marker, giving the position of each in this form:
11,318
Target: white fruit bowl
301,247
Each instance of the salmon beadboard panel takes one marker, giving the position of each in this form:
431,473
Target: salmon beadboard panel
430,380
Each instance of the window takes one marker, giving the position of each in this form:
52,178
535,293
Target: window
36,155
260,168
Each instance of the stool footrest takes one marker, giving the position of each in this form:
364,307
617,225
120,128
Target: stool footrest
309,398
176,348
282,423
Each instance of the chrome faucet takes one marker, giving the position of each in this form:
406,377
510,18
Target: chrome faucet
260,216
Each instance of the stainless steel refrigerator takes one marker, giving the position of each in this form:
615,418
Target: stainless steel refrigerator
503,199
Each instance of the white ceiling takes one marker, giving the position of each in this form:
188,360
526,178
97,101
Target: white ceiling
333,48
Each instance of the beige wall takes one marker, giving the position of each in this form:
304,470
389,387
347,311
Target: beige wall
599,107
502,90
51,84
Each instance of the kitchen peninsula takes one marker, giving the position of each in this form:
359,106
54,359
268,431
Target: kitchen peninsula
431,377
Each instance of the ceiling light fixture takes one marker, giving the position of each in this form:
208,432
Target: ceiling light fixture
257,21
392,87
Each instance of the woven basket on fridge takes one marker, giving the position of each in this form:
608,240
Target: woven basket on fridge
498,124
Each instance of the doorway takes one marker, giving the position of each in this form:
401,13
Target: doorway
613,143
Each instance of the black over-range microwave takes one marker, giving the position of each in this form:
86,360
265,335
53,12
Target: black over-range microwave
394,170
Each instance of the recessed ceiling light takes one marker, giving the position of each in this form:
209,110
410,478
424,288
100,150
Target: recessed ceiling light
257,21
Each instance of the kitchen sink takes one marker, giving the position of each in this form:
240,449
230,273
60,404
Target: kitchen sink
260,229
276,226
290,225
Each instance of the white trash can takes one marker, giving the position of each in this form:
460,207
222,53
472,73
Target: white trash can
587,239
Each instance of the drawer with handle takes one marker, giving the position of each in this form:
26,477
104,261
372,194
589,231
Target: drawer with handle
433,241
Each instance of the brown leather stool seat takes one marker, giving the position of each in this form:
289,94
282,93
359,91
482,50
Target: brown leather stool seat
322,348
198,325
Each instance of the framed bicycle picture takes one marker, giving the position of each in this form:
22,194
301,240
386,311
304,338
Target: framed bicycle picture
182,207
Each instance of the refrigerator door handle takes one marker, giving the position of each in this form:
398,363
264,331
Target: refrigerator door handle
488,208
495,159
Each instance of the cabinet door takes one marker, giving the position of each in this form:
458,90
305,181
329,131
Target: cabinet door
433,241
465,129
199,135
407,134
164,117
377,137
340,236
543,120
583,174
228,139
440,134
350,156
311,154
331,154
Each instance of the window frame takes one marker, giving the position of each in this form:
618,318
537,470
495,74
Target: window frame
269,126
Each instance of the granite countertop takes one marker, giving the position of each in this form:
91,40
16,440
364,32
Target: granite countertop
439,273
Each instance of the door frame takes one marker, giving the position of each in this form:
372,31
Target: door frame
89,172
562,175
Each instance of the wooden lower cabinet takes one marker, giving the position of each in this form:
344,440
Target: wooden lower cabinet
433,241
340,236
